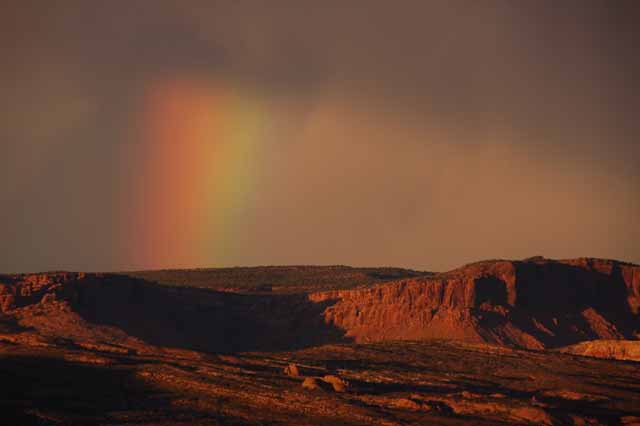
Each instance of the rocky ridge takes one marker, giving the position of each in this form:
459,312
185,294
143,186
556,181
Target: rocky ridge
536,303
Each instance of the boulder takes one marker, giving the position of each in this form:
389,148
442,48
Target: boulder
338,384
292,370
311,383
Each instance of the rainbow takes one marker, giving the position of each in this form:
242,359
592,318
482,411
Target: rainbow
200,141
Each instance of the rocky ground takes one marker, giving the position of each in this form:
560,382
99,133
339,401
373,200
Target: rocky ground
628,350
496,342
391,383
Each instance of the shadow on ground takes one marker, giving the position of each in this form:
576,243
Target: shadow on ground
40,391
204,320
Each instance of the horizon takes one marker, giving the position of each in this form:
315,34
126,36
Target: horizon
340,265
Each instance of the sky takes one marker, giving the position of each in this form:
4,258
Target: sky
421,134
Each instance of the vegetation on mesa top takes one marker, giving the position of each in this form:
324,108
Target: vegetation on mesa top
280,279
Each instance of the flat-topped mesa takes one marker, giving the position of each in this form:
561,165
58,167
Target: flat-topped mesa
533,303
463,288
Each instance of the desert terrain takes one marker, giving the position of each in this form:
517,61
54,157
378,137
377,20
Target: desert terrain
498,342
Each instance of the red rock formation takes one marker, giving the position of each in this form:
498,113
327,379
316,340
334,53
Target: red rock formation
532,304
628,350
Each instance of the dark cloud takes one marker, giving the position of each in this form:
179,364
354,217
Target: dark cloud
401,102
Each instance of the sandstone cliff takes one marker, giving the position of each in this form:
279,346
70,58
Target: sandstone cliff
534,304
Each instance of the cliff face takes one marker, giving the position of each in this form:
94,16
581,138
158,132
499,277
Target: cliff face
117,309
532,304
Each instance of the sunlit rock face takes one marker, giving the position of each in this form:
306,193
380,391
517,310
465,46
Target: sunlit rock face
535,303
